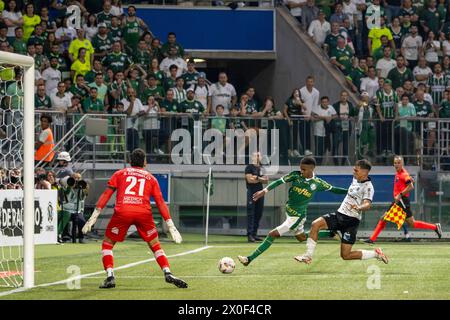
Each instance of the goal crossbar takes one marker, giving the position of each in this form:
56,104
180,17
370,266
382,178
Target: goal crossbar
28,161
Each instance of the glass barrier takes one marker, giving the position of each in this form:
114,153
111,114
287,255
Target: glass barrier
167,137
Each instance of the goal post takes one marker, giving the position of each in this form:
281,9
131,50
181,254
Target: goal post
27,63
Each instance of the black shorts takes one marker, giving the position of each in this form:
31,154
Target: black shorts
347,225
407,208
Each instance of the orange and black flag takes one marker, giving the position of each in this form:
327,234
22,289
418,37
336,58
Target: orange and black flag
396,214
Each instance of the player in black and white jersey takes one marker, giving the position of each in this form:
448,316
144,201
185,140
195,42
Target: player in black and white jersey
346,219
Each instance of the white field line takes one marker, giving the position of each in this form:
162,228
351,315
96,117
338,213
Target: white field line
71,279
271,277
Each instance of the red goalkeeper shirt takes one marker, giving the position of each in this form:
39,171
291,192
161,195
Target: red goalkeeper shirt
134,188
401,180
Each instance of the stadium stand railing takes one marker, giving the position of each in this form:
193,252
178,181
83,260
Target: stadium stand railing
424,142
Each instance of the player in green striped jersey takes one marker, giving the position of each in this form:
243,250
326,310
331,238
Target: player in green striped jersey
437,84
304,185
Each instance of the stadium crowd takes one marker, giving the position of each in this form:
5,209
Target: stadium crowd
395,52
113,64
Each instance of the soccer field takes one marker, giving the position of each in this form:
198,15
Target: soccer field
416,271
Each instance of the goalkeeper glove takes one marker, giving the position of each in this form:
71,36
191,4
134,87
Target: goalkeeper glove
88,225
176,236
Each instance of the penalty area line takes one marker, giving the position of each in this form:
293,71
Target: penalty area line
126,266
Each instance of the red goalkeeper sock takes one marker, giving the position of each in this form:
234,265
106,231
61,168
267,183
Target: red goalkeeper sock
108,260
424,225
161,257
380,226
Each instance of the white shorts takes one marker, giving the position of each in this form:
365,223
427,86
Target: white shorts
295,224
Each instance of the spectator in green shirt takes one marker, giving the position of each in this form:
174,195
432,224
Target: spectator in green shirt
80,88
131,28
37,36
98,69
444,109
55,52
102,41
153,89
331,39
355,76
400,74
405,109
172,41
102,89
117,60
19,44
92,104
14,92
142,55
117,89
190,77
342,56
105,16
431,18
171,81
41,100
404,142
379,52
155,48
219,122
115,30
134,81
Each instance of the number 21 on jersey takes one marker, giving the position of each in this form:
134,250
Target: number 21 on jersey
133,181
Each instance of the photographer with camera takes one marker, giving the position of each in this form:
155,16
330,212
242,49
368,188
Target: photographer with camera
40,179
74,191
63,168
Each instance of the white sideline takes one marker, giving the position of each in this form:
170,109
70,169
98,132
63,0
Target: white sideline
18,290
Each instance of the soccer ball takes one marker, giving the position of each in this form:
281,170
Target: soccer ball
226,265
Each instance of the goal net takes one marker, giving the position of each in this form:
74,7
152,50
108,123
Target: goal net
16,170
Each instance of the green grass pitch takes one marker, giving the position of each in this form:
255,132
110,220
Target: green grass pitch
418,270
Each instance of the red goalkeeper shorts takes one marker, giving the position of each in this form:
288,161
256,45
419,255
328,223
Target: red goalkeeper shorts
121,221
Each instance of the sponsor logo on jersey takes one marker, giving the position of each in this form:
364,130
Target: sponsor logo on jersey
302,191
132,200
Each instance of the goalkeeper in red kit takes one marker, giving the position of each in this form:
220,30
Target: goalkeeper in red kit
403,185
134,188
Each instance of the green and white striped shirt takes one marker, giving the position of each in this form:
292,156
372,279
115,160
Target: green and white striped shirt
437,87
179,95
387,102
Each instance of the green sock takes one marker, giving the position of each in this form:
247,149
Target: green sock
262,247
323,234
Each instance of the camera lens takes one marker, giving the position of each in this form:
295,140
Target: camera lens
71,182
82,184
